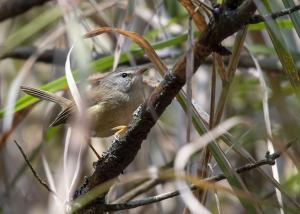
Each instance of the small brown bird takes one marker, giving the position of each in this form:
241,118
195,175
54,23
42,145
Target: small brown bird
111,101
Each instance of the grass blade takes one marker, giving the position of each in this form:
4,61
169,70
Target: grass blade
295,17
29,30
277,39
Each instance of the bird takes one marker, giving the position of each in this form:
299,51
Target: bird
110,99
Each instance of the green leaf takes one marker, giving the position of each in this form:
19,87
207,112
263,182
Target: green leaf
261,49
216,151
214,148
281,23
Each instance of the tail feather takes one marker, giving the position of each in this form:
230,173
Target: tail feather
63,102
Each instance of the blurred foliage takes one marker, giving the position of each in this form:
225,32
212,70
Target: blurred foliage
166,31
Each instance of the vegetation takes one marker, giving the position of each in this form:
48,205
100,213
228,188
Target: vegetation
218,131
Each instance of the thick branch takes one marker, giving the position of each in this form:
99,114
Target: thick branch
12,8
123,150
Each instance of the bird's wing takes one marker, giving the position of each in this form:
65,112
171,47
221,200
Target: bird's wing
64,115
97,95
92,98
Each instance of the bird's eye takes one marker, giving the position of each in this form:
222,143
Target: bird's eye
124,75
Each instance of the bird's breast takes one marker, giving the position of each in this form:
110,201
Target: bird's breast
112,113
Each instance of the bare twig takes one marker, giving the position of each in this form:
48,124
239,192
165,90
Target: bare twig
43,183
18,118
189,75
12,8
269,160
144,187
94,150
203,172
258,18
141,188
233,63
58,56
197,17
213,92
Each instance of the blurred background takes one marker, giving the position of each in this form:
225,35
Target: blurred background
34,47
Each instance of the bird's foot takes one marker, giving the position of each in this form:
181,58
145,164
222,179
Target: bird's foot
120,130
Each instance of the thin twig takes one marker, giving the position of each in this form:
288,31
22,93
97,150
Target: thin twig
94,150
58,56
55,55
269,160
221,67
198,18
144,187
43,183
201,194
18,118
189,75
141,188
233,63
213,91
258,18
215,192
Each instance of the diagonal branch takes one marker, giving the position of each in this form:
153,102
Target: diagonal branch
43,183
123,150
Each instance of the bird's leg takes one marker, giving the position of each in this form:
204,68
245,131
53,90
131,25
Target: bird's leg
120,130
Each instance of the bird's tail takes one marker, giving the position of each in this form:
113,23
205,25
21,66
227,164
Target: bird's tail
43,95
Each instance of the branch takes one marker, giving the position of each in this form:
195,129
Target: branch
122,151
258,18
18,118
48,56
43,183
198,19
12,8
144,187
58,56
269,160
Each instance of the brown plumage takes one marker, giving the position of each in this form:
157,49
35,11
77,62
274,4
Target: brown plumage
111,100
